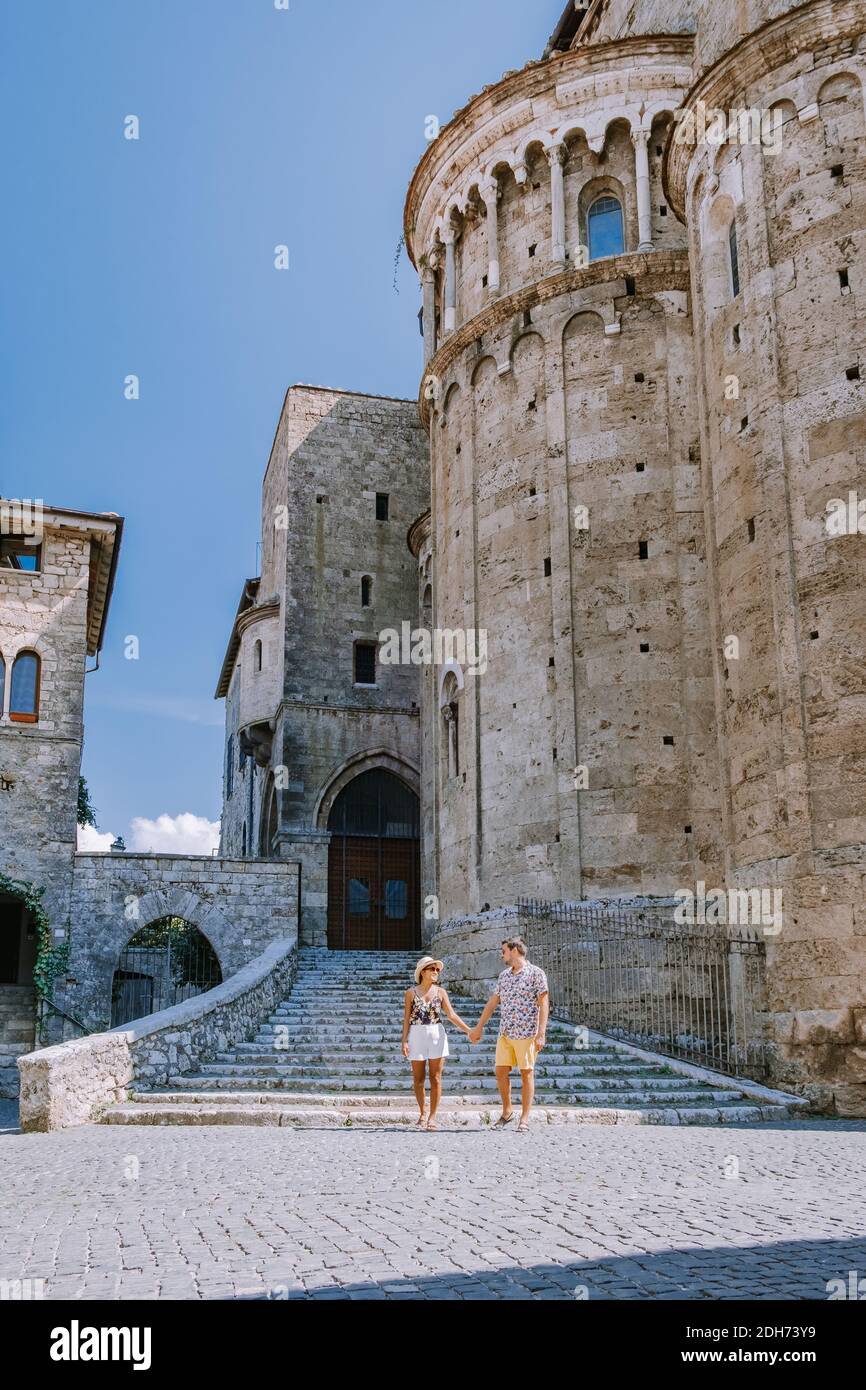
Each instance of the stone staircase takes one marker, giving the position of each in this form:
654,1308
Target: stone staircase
330,1056
17,1034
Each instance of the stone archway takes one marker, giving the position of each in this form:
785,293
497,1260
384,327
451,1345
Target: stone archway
162,964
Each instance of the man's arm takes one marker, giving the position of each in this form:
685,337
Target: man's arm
489,1009
543,1011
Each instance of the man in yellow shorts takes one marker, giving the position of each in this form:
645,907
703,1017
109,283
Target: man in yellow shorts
522,995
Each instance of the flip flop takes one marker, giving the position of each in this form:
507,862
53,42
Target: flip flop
503,1120
523,1127
431,1125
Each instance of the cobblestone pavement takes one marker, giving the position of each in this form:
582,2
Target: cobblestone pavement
590,1211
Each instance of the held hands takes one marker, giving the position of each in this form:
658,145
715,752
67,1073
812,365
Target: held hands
474,1034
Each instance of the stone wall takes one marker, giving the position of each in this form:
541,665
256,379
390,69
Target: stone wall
74,1082
333,451
46,612
716,24
240,906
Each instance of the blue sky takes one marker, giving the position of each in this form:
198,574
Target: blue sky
156,257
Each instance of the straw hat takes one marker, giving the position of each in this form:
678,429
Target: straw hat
425,961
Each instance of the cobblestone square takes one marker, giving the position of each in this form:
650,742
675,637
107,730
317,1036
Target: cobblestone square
586,1212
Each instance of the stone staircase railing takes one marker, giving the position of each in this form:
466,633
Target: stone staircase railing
73,1082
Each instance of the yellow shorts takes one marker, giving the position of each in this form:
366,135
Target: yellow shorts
515,1052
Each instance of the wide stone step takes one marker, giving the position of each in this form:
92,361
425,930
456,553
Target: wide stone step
464,1066
474,1116
313,1056
634,1075
545,1092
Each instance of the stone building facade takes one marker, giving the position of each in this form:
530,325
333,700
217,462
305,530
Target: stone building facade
643,389
57,570
56,573
312,705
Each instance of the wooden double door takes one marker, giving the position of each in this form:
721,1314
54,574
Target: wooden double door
374,896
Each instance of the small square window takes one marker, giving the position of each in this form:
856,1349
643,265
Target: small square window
853,373
533,248
837,171
663,212
668,740
644,646
639,467
639,377
382,500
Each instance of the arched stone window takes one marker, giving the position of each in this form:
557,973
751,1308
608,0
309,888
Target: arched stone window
605,228
734,259
257,656
24,695
366,590
450,707
230,765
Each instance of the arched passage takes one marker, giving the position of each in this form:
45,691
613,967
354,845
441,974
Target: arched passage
374,866
164,963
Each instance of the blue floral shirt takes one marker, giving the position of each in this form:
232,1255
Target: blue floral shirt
518,1001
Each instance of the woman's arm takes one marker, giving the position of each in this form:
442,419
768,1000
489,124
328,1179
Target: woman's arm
449,1012
407,1010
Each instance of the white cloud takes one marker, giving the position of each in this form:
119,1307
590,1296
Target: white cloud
90,841
183,834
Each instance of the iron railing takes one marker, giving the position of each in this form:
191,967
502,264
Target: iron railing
692,991
163,964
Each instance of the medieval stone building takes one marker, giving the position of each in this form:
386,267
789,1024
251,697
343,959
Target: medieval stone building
644,396
322,755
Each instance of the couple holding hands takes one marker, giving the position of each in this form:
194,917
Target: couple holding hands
521,995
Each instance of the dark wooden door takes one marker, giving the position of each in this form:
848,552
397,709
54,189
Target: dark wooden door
374,899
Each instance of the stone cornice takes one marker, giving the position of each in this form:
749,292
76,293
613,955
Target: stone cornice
756,56
652,271
508,104
258,615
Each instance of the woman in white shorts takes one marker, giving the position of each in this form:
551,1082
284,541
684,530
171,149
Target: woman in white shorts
424,1041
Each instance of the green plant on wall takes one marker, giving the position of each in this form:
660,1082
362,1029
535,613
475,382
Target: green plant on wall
86,812
51,960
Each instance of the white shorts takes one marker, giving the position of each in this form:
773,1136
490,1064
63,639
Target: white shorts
427,1042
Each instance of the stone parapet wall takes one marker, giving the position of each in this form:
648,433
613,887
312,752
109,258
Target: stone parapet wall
74,1082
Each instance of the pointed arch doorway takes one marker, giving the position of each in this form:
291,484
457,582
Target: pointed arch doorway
374,866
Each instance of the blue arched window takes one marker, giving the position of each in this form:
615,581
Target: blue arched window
604,228
24,695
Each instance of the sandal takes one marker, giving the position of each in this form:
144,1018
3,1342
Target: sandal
422,1120
431,1125
504,1120
523,1127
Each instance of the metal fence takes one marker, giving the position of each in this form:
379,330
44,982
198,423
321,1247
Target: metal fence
164,963
695,992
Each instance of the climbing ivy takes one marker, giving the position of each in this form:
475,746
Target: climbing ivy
51,960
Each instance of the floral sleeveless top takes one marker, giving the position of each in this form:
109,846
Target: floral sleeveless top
425,1011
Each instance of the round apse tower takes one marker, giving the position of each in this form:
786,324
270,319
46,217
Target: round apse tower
777,238
566,528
